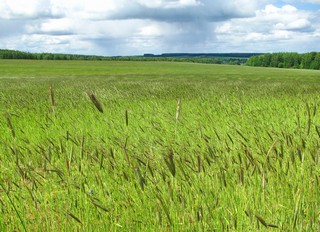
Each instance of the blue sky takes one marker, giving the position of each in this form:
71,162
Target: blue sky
301,5
133,27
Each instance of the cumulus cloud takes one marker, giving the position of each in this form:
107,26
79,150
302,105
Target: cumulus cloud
13,9
274,28
130,27
53,27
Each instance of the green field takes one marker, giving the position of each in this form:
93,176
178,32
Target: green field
178,147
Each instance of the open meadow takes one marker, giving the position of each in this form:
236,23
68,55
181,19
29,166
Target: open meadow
158,146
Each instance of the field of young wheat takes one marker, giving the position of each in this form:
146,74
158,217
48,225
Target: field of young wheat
155,146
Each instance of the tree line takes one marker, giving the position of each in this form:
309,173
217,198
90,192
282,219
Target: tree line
295,60
13,54
221,59
309,60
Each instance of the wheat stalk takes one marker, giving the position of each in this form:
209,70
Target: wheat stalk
52,96
178,109
8,117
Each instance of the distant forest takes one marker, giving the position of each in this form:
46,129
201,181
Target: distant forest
13,54
208,58
309,60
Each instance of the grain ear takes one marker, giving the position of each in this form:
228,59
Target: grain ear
95,101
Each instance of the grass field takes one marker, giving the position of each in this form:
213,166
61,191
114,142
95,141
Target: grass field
178,147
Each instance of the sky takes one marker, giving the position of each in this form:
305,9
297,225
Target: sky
136,27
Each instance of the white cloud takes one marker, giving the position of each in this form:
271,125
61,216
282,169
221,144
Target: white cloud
298,24
152,30
10,9
61,26
130,27
273,29
168,3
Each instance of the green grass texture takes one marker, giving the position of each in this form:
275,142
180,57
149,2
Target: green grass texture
158,146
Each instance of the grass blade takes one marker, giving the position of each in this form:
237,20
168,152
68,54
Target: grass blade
14,207
296,210
170,163
127,118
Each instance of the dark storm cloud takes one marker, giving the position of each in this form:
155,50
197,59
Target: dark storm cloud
205,10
